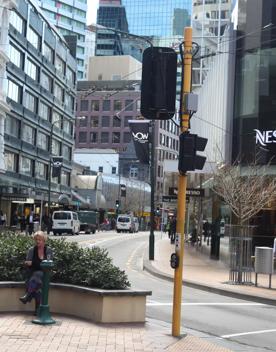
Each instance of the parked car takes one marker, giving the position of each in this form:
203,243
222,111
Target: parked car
88,221
125,223
65,222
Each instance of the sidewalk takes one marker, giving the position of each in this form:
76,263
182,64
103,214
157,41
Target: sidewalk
201,272
18,334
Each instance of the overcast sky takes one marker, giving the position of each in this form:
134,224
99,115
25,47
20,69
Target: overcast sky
92,6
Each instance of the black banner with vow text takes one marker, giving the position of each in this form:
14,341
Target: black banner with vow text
140,134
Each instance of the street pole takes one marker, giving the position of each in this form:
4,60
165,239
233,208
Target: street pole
182,185
49,178
152,183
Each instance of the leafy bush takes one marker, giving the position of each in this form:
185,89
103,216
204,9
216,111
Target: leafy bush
73,264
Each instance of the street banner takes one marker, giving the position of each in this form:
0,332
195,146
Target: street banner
57,164
140,134
123,190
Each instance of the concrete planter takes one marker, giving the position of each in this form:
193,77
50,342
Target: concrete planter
101,306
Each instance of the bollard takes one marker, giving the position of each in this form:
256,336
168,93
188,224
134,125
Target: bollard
43,315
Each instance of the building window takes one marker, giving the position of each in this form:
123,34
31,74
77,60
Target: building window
17,22
14,91
65,178
44,111
113,170
30,102
105,121
116,137
16,56
60,65
117,105
42,141
83,122
106,105
46,81
67,127
28,134
116,121
126,121
104,137
70,75
49,53
31,70
100,168
58,92
133,172
129,105
33,38
84,105
95,105
11,126
11,161
69,101
127,137
66,152
94,122
82,137
26,166
57,119
56,147
93,137
41,171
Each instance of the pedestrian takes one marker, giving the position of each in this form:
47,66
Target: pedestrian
173,229
36,254
3,218
31,223
15,219
23,223
168,228
206,231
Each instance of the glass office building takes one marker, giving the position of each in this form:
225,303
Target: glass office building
161,21
70,19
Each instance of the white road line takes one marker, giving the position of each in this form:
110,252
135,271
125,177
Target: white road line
153,303
248,333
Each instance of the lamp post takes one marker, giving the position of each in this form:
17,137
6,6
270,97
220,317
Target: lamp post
50,166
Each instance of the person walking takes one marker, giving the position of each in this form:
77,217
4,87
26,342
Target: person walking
173,229
206,230
31,223
36,254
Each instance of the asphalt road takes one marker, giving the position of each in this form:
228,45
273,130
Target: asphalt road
237,324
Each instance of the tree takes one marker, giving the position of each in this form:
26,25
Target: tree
246,190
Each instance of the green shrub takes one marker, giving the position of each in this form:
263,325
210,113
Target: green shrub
90,267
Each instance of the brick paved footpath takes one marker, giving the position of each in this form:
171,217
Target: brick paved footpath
18,334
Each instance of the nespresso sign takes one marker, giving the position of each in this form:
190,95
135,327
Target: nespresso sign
265,137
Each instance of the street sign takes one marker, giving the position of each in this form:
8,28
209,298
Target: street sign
190,192
171,199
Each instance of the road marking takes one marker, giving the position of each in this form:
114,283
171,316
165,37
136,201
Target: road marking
131,257
248,333
153,303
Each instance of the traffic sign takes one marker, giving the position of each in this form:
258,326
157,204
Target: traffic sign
190,192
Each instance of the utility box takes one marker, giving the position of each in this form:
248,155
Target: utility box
263,262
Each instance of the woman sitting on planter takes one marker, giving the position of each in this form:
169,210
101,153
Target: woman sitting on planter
35,256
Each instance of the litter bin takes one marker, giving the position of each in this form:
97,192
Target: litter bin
263,262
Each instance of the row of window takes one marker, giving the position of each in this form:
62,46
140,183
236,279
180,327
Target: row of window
165,155
17,57
29,134
169,126
168,142
104,121
108,105
33,168
104,137
66,7
38,107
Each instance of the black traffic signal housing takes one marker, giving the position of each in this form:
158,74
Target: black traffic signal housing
157,212
190,144
117,204
158,89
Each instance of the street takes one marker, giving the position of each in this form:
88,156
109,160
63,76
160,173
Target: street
239,325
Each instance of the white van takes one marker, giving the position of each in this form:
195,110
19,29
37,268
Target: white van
125,223
65,222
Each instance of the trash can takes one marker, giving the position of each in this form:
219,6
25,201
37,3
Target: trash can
263,262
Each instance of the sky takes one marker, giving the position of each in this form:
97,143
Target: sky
92,6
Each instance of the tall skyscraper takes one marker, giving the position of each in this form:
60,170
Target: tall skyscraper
158,20
70,18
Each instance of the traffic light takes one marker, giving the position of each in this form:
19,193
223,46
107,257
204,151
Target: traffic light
157,213
188,158
117,204
158,89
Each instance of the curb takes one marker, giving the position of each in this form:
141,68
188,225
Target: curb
147,266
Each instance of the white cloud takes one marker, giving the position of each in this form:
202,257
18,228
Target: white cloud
92,6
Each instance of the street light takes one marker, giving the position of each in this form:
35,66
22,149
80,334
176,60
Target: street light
50,163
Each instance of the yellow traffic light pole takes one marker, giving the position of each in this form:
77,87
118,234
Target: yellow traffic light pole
182,185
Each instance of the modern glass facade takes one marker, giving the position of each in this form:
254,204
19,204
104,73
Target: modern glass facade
159,20
254,129
70,18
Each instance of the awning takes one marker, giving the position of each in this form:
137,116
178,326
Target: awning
64,199
79,198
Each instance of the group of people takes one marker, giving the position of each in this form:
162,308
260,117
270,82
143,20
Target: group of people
26,222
